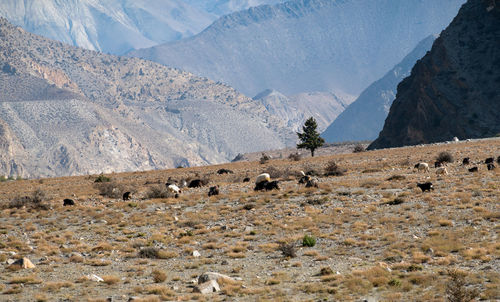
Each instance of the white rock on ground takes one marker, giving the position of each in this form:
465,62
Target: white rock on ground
208,287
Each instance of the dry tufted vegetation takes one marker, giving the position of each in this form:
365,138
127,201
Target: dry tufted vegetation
377,236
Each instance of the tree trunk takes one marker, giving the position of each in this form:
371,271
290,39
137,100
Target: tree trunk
312,152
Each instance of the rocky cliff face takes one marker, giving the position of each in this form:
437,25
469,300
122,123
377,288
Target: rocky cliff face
365,117
307,45
69,111
455,89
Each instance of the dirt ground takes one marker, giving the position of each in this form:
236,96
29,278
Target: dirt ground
377,236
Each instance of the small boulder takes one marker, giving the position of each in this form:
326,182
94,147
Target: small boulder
208,287
213,276
196,254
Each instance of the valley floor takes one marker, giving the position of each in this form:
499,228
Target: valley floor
378,237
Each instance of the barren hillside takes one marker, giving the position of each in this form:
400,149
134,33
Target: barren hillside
372,234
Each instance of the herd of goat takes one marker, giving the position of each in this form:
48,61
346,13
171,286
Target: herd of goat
441,169
264,182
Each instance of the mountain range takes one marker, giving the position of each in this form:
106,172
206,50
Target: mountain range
68,111
118,26
307,45
454,90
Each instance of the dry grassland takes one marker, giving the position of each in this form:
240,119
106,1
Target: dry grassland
376,239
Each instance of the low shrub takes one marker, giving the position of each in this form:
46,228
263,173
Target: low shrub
102,178
288,250
332,169
444,157
358,148
295,156
110,189
309,241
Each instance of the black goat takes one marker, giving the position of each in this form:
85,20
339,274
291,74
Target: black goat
427,186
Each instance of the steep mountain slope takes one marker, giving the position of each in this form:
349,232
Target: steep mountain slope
118,26
307,45
296,109
67,111
455,89
224,7
365,117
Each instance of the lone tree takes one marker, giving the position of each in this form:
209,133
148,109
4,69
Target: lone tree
310,139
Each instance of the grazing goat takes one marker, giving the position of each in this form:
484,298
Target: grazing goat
262,177
466,161
473,169
312,183
224,171
126,196
213,191
196,183
422,167
427,186
173,189
68,202
498,160
491,167
438,164
442,170
267,185
489,160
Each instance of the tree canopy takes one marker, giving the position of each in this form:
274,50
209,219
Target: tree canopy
310,138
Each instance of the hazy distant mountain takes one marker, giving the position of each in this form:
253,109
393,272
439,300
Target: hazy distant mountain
454,90
118,26
365,117
224,7
296,109
66,111
307,45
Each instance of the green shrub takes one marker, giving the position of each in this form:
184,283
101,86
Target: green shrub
102,178
444,157
309,241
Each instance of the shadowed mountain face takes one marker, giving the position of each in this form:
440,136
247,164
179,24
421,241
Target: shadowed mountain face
365,117
69,111
307,45
455,89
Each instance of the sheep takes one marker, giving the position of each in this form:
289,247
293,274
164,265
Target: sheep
466,161
425,186
441,170
489,160
224,171
68,202
263,177
491,167
126,196
422,167
473,169
213,191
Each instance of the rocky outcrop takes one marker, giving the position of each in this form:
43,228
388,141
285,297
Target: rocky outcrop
69,111
365,117
454,90
307,45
